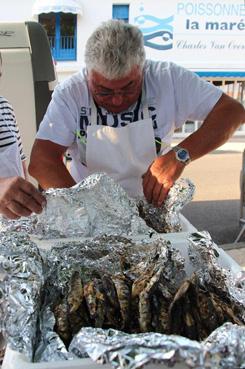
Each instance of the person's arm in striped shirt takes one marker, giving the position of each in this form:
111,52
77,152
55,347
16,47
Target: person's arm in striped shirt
18,197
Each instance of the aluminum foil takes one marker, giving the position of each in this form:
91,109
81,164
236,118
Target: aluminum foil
23,225
21,279
223,349
203,255
99,209
97,206
166,218
202,252
126,351
105,253
49,344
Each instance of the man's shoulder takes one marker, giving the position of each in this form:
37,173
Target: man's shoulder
73,88
161,66
157,68
72,81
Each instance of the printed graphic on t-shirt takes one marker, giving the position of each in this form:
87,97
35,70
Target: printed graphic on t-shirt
114,120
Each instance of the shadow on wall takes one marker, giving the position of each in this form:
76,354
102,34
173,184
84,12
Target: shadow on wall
219,218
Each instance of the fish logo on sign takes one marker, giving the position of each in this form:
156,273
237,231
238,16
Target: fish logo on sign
157,32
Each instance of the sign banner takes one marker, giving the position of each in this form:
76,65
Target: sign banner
200,35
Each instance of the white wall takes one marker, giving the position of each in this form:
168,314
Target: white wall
16,10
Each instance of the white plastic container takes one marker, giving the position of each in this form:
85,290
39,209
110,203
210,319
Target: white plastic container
15,360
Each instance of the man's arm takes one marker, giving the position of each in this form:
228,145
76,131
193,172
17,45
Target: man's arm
46,165
19,197
226,116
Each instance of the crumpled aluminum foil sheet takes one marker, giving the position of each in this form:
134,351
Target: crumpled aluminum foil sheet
105,254
23,224
132,351
166,218
21,279
50,344
226,347
202,252
97,206
223,349
203,255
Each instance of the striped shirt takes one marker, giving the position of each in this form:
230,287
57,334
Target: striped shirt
9,131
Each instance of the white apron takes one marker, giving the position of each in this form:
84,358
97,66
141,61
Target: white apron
10,162
123,153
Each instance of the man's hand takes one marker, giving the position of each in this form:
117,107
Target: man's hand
19,197
160,177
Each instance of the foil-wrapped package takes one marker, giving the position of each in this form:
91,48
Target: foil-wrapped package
97,206
166,218
134,351
223,349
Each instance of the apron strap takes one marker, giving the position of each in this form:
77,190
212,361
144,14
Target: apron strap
93,112
146,113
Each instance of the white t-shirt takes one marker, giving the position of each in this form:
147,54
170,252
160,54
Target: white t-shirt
173,95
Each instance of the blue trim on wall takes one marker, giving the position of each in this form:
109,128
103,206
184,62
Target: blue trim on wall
65,48
120,12
222,74
57,35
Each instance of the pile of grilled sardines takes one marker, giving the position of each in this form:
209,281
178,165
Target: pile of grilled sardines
144,290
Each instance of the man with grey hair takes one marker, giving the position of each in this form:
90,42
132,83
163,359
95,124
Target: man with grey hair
119,114
18,197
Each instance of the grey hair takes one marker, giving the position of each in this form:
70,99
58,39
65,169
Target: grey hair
114,48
